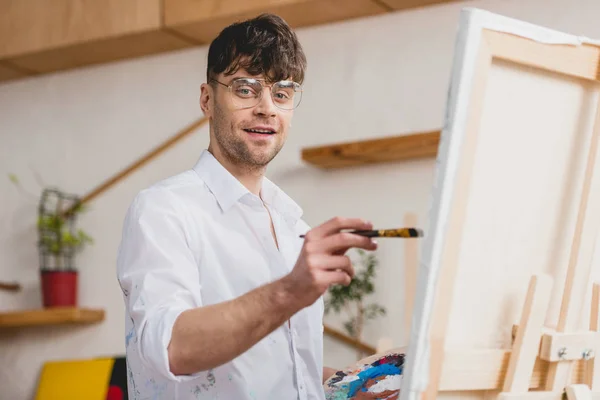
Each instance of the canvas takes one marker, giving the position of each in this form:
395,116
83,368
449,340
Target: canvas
508,255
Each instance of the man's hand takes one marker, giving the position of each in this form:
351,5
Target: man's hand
322,261
208,336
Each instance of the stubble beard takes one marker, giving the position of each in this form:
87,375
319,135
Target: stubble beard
235,149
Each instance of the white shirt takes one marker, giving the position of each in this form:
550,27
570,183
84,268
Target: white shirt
201,238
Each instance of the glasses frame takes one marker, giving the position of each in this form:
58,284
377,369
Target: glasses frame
263,85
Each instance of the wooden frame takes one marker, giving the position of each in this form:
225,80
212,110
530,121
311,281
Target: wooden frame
443,363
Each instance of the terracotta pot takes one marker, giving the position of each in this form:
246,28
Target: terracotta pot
59,288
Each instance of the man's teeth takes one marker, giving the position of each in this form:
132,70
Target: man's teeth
259,130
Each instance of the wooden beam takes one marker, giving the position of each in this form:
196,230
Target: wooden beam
45,36
30,26
103,187
410,4
41,36
9,72
342,337
388,149
100,51
203,20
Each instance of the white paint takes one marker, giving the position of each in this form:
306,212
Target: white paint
390,382
347,379
367,78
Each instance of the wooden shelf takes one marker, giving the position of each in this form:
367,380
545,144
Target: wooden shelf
10,286
50,316
342,337
388,149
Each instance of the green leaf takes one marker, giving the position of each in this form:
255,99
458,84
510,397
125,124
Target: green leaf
84,237
349,326
55,248
13,178
351,298
373,311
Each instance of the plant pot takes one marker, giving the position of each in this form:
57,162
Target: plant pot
59,288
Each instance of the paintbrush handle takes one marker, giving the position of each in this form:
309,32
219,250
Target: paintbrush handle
399,233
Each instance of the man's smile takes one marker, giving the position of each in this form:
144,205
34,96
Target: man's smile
260,131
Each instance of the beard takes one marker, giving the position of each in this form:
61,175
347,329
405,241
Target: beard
236,149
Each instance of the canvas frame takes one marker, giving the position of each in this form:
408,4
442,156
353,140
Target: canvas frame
432,367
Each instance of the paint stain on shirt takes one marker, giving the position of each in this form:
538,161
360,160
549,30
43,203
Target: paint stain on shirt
211,381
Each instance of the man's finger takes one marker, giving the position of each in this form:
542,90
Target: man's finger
337,224
338,278
337,263
339,243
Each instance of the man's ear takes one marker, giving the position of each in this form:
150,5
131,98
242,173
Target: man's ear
206,94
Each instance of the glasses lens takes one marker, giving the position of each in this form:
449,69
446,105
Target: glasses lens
246,92
286,94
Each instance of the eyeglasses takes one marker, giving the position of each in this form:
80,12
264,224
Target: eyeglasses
247,93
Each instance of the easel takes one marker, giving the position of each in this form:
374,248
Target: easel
541,363
564,347
564,351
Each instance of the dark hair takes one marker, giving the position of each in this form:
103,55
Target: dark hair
262,45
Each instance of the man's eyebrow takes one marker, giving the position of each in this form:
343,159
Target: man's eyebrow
248,77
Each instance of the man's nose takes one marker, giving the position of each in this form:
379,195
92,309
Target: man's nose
266,106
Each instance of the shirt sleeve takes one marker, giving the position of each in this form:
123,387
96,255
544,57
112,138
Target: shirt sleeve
158,274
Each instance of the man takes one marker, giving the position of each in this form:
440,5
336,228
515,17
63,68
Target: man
223,298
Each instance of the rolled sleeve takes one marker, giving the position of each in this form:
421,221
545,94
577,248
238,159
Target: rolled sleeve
158,273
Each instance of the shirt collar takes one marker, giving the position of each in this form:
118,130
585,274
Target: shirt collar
228,190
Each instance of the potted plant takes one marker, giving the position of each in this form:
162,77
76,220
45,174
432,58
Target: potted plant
353,298
58,243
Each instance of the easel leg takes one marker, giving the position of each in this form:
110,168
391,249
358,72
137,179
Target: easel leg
411,265
592,367
526,345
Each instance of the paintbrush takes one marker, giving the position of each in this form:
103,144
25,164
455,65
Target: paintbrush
396,233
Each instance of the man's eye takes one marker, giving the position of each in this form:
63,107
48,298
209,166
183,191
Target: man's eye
245,91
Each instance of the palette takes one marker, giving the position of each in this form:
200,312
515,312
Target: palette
376,377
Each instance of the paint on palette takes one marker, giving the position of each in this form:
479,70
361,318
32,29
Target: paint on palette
379,380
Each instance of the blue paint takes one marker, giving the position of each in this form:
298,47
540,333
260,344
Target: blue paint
387,366
128,337
370,373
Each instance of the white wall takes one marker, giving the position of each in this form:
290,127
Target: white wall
367,78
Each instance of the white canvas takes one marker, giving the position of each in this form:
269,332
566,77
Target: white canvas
522,195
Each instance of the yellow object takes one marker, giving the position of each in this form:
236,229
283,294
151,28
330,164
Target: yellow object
75,380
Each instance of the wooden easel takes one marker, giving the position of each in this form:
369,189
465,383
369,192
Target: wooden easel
564,346
543,362
566,351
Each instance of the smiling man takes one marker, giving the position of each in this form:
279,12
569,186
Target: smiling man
223,299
